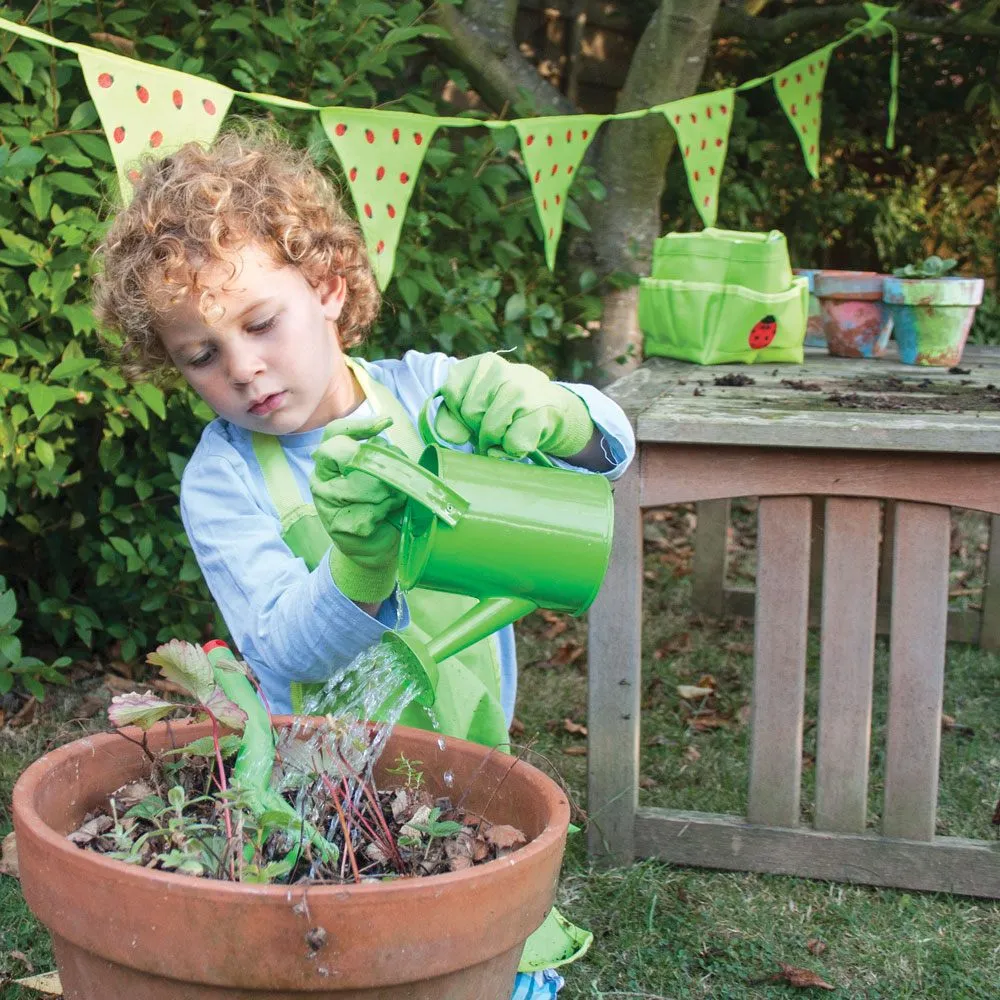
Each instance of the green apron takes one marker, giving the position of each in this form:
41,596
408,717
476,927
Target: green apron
467,697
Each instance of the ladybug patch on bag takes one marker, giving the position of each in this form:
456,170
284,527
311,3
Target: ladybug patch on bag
763,333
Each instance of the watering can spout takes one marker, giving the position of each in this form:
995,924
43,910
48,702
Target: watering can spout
421,658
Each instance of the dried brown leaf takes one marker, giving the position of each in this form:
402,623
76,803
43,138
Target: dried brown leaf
676,645
703,723
23,959
566,654
574,727
503,836
557,624
692,754
576,751
689,692
645,781
91,830
516,727
8,857
815,946
805,978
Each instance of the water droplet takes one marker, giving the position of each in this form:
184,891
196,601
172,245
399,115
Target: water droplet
449,778
441,743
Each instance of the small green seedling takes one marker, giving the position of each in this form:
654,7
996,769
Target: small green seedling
932,267
407,769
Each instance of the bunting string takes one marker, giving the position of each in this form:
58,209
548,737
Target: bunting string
146,109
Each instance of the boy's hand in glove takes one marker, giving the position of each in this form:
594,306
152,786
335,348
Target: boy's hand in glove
512,408
359,512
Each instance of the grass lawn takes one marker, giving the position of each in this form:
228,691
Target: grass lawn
666,932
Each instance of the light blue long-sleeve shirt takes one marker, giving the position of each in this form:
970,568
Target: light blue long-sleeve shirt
291,624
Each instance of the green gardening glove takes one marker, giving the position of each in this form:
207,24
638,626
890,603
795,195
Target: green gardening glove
359,512
511,408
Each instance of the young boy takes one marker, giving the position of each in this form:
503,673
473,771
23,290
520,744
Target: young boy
238,267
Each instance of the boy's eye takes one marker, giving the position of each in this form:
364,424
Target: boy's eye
261,327
200,360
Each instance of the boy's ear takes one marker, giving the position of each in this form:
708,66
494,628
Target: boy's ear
332,293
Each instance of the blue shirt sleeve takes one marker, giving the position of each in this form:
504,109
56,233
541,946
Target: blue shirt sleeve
290,624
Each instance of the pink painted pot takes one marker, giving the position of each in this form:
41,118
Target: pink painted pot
855,321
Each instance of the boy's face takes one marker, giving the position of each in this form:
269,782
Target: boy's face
267,358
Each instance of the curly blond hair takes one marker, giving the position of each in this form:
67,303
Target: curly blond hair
194,208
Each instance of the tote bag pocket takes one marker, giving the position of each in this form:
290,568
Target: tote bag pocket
714,324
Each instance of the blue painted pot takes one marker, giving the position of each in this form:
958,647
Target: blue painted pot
855,321
931,317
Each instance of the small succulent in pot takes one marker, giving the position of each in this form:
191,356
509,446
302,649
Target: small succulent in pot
930,267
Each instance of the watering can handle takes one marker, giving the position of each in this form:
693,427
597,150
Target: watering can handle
429,432
419,484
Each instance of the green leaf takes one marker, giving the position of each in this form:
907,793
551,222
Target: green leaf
41,398
205,747
84,115
40,195
185,664
123,546
515,308
72,183
69,367
21,64
10,647
134,709
44,452
152,396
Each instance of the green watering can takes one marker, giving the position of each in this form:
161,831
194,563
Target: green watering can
517,536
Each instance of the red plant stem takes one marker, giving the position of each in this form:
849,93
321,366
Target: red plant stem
343,825
222,786
373,800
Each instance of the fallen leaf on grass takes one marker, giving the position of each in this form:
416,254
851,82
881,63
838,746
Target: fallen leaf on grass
575,751
557,624
739,648
948,723
703,723
795,976
815,946
574,727
47,983
23,959
692,754
645,781
690,692
516,727
24,714
676,645
8,857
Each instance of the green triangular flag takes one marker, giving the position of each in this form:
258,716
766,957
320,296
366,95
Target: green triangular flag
799,87
552,149
150,109
702,124
381,153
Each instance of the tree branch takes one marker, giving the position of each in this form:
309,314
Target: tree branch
733,20
495,67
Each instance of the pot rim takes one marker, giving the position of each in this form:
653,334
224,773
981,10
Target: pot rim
22,807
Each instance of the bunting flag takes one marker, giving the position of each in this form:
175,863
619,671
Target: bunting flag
149,110
552,149
702,125
799,87
381,155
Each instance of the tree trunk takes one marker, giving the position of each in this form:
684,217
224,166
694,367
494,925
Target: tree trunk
667,65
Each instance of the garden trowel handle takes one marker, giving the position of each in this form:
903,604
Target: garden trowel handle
429,432
414,481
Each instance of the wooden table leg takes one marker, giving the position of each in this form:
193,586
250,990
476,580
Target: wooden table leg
989,635
711,537
614,665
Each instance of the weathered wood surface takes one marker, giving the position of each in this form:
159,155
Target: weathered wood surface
916,669
711,541
847,659
779,679
675,401
614,656
682,473
716,840
990,636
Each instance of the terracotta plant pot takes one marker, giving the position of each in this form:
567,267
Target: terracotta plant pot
855,322
121,930
932,317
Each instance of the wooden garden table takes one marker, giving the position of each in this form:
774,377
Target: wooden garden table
856,433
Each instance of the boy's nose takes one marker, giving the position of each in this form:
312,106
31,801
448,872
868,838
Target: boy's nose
244,367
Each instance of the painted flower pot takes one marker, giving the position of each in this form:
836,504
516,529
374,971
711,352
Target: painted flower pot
815,337
932,317
122,930
855,321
